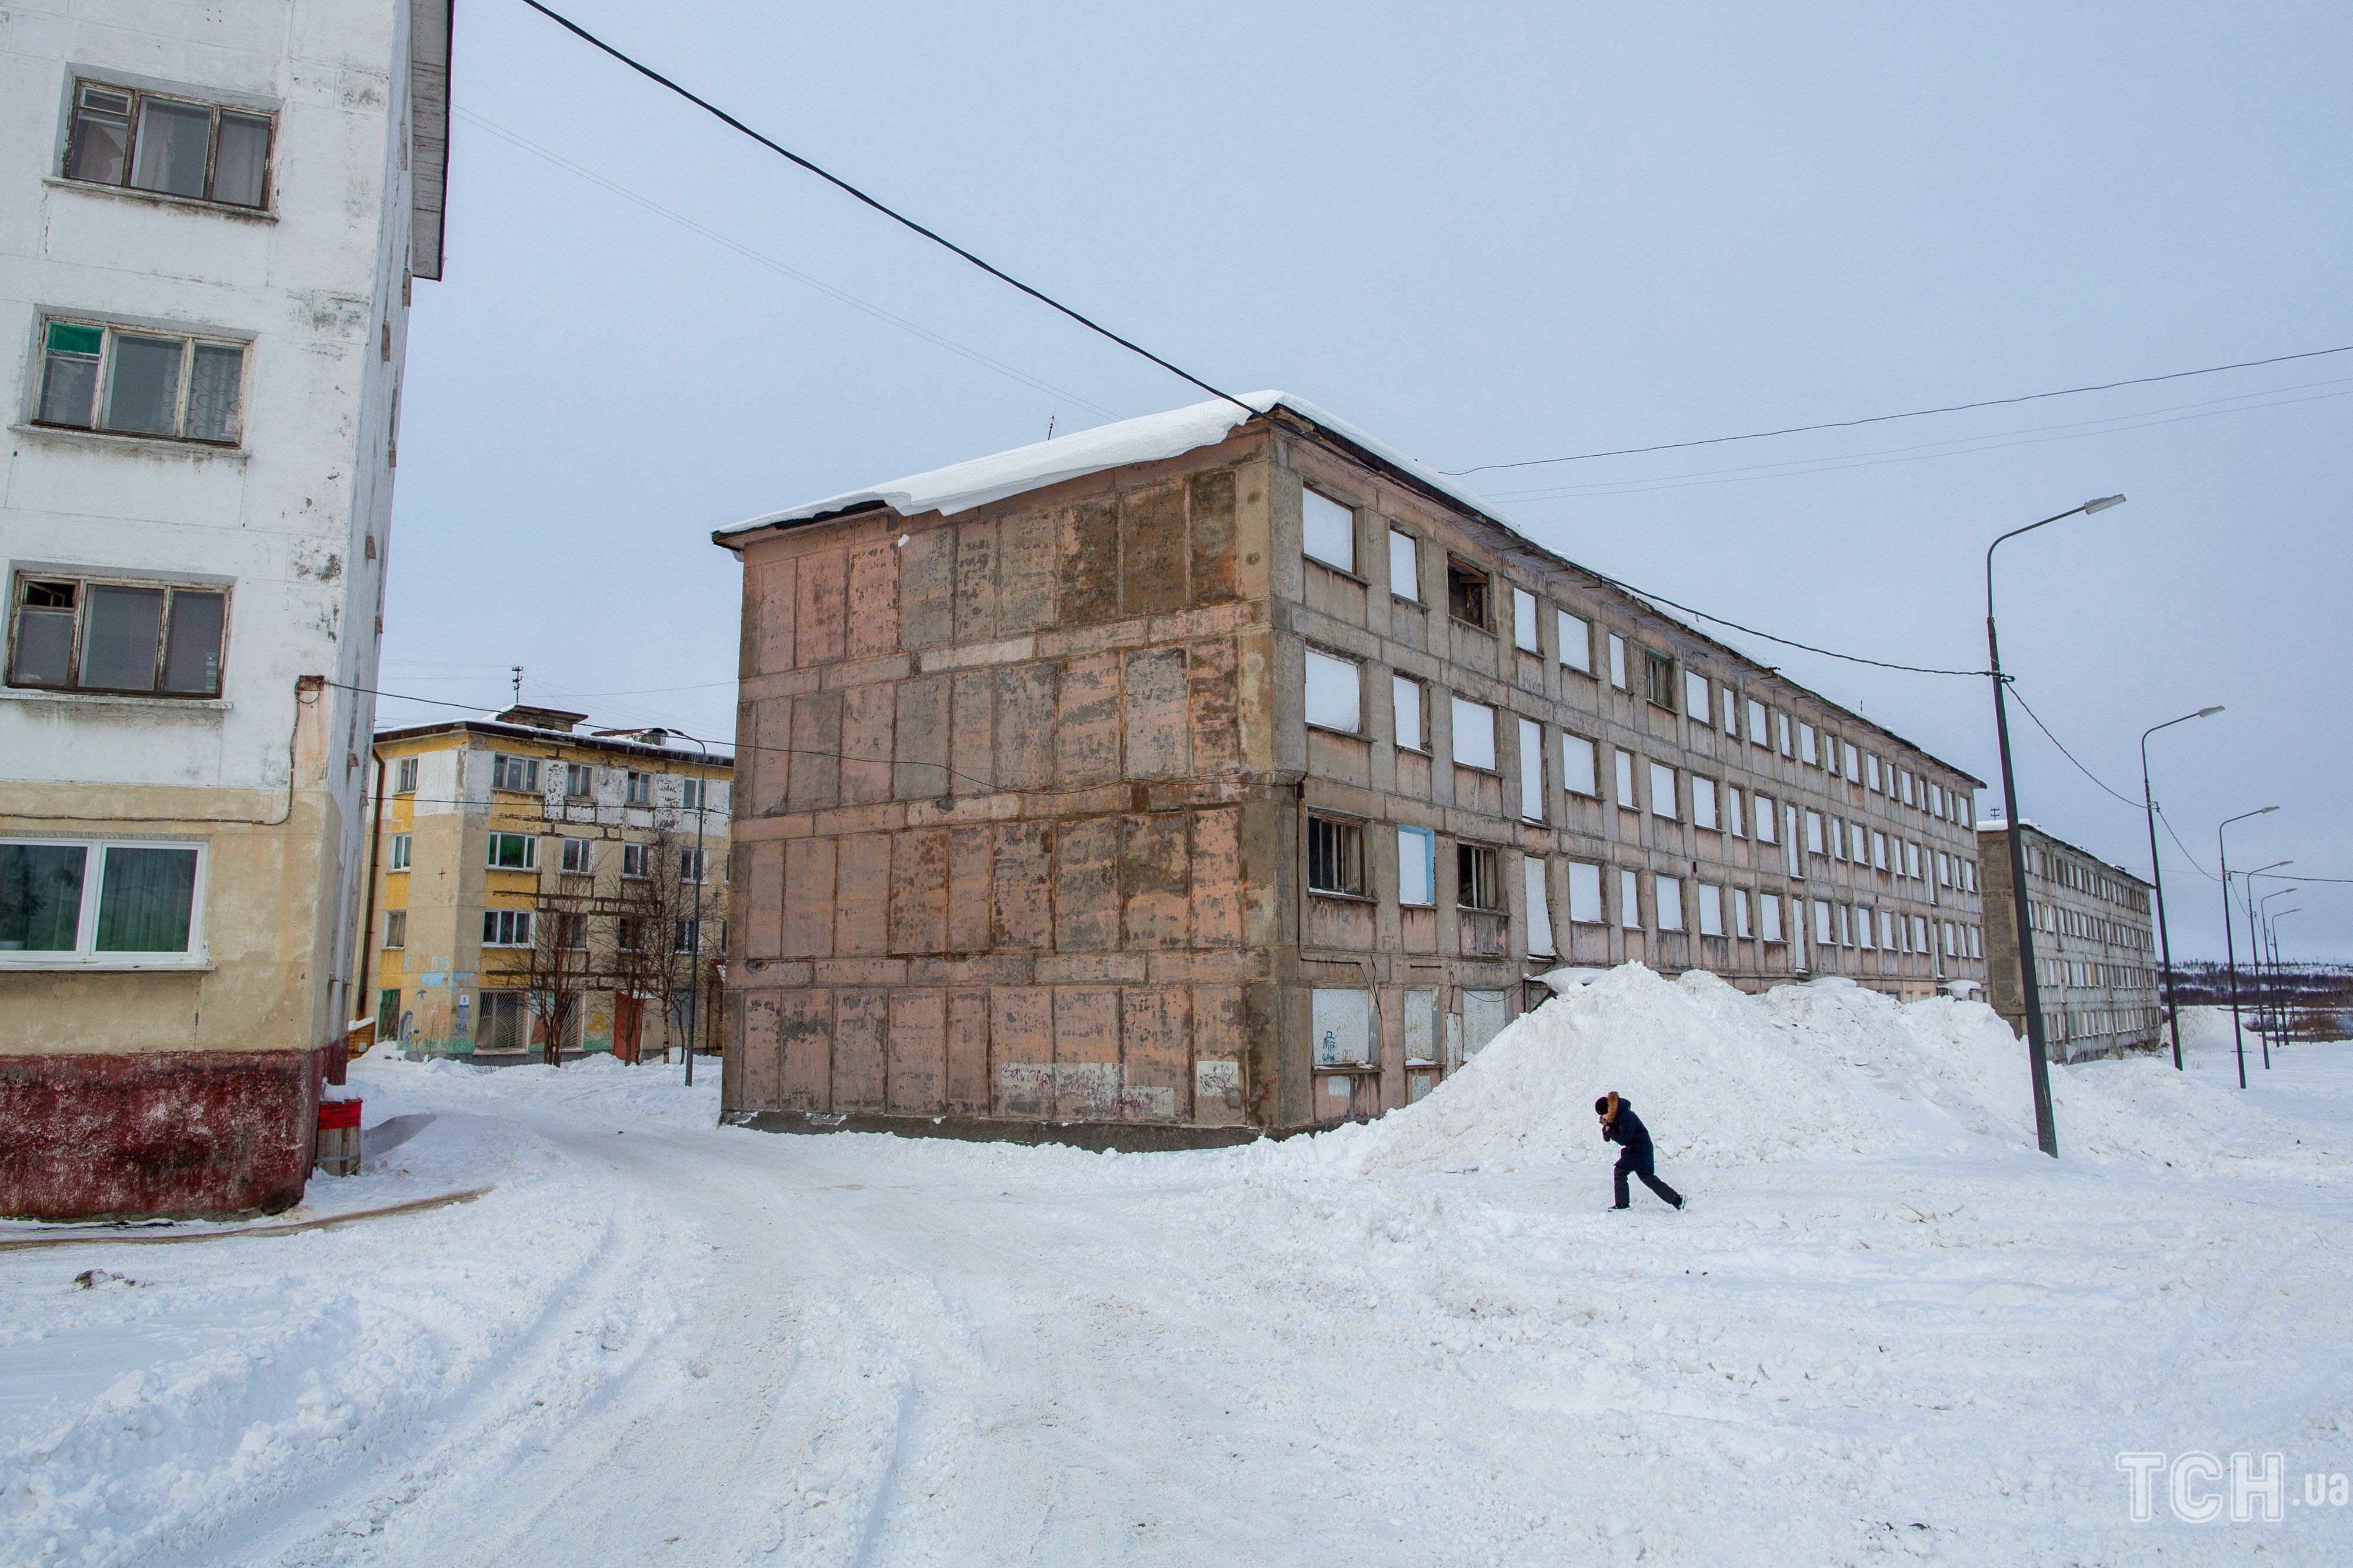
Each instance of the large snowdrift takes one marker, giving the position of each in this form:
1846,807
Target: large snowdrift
1724,1078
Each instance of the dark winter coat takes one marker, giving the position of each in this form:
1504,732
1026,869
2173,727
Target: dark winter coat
1627,1129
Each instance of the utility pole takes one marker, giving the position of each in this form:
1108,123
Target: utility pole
2230,949
518,683
2156,874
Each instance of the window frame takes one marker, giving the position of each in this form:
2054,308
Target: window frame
1582,641
492,841
502,767
1658,679
1308,495
1525,619
1534,800
1675,805
1399,684
1454,734
399,852
1342,856
85,953
1592,771
1485,864
215,108
1411,592
642,854
585,772
1426,842
85,579
395,929
111,332
1476,591
1585,876
1356,670
586,855
403,775
639,788
513,925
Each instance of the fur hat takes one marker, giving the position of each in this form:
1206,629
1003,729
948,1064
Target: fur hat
1605,1106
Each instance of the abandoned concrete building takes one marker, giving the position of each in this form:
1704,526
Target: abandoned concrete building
2094,947
1221,772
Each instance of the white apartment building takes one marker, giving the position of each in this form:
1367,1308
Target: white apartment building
210,220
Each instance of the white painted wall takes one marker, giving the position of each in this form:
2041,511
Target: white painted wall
288,517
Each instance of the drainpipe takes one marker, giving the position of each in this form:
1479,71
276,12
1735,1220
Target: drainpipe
367,927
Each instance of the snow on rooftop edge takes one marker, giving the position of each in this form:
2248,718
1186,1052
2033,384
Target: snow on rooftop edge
1152,437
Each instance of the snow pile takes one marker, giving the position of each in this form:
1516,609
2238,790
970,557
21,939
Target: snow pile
1725,1079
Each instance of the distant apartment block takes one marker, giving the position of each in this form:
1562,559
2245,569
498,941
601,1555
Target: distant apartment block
515,856
210,220
2095,946
1229,775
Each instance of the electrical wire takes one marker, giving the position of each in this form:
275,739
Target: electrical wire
576,30
1784,642
2018,698
877,311
1884,418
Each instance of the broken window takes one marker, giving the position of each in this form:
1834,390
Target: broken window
1658,679
121,136
1467,594
1335,857
1328,531
88,634
1476,885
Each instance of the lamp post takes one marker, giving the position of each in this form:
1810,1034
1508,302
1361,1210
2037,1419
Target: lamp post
2046,1136
2287,1009
2221,853
2157,873
2255,952
2265,978
694,931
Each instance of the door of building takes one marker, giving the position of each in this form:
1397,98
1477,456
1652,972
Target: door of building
627,1015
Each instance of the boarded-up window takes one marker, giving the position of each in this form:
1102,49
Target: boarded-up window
1343,1027
1422,1024
1617,661
1626,782
1765,830
1524,620
1629,901
1329,531
1539,907
1704,803
1584,893
1474,734
1806,752
1696,694
1741,926
1710,910
1532,786
1406,693
1662,791
1822,921
1577,766
1670,903
1485,1015
1576,642
1405,566
1334,700
1733,823
1756,722
1768,917
1417,866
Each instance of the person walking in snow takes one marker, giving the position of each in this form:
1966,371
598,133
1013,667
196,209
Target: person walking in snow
1620,1126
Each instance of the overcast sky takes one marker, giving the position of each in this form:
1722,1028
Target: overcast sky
1510,233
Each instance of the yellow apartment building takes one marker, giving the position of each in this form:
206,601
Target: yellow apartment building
513,848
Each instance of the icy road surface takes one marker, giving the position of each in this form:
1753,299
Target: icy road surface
659,1342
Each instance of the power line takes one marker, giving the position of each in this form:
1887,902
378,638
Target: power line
576,30
1884,418
877,311
2030,713
1784,642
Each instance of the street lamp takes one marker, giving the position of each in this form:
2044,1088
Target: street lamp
2287,1009
2267,978
2221,853
2157,872
2045,1135
2256,951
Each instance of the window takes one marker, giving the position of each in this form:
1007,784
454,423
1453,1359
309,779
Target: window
579,781
1417,866
1532,779
395,928
1406,693
1710,910
693,794
1903,783
1764,819
1335,857
1658,679
1912,861
1853,762
1704,804
1335,694
1731,712
1617,661
1944,869
686,936
640,788
1696,694
1822,923
1670,894
1625,800
1845,932
404,776
1474,734
1977,941
1466,594
97,902
636,860
1756,722
1584,893
1813,833
1886,930
400,843
1741,926
1576,641
1807,753
1732,822
1919,933
1855,842
506,928
1781,722
1879,849
628,933
1539,906
1577,766
1421,1026
577,861
1328,531
513,852
1629,901
689,865
1966,812
124,137
1936,800
571,931
132,381
1768,917
1870,773
1342,1023
1477,887
1662,791
1524,620
514,773
145,637
1405,566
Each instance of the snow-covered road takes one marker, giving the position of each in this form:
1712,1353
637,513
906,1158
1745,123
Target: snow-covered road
663,1342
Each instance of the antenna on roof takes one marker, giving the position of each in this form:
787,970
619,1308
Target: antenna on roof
518,683
1050,423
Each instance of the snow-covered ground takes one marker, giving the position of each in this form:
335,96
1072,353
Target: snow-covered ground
1885,1327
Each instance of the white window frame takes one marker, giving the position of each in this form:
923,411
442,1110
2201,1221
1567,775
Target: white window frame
579,850
582,775
639,854
395,929
529,851
84,953
397,853
506,929
403,775
504,767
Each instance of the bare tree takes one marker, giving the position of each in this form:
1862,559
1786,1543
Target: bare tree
647,959
558,969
